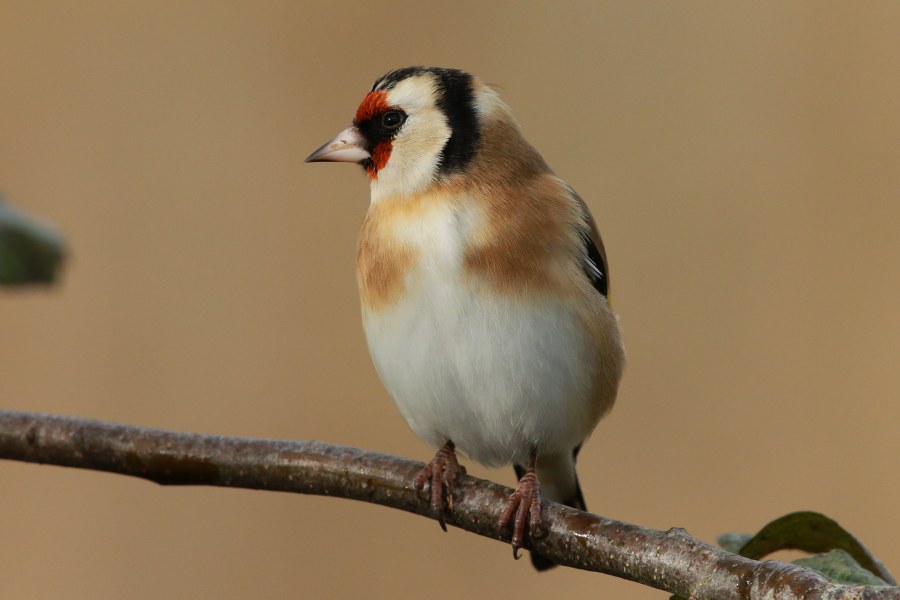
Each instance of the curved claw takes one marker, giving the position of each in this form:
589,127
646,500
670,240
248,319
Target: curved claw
440,476
524,507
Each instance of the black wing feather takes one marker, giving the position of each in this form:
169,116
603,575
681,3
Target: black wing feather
594,266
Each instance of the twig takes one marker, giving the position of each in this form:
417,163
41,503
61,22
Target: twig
672,560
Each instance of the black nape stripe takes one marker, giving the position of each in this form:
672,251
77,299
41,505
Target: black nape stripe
456,99
457,102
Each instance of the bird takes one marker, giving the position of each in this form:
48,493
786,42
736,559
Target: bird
484,290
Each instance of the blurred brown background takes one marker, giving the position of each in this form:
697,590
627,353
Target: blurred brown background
741,160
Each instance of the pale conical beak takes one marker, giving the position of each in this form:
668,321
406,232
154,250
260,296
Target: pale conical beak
347,146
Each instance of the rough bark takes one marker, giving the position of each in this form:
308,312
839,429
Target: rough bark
668,560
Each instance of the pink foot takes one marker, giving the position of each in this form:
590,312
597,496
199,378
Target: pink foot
440,476
524,506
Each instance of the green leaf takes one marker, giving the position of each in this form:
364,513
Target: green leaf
812,532
839,566
733,542
31,251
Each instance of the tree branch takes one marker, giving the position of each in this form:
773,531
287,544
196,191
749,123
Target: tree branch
672,560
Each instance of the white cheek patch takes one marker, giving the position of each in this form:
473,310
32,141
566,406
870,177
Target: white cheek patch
416,150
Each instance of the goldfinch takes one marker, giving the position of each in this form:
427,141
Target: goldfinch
484,289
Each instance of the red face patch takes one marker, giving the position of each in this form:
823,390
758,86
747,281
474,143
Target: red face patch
373,104
379,158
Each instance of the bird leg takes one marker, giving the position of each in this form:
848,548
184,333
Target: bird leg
440,476
525,502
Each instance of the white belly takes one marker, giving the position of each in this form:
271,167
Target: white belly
495,376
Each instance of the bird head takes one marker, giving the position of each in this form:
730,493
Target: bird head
415,126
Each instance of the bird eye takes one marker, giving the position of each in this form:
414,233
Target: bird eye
392,119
